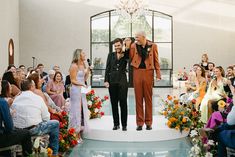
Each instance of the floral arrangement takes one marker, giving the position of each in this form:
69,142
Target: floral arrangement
95,104
182,75
181,116
67,137
202,147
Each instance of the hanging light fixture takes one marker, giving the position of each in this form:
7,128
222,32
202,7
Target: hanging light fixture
131,10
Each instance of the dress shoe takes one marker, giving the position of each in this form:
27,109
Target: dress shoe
149,127
139,128
124,128
116,127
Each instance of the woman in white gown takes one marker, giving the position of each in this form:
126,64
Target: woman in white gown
214,92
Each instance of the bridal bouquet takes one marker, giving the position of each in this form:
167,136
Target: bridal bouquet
95,104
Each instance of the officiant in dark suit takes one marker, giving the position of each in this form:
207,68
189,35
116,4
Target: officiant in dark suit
116,81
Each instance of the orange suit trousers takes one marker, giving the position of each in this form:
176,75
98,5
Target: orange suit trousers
143,80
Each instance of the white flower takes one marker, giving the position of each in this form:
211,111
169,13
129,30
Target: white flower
211,142
96,110
89,103
208,154
193,133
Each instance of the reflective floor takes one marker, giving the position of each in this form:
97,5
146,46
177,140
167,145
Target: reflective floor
174,148
91,148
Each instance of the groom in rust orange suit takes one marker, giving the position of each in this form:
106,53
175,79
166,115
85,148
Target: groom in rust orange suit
144,59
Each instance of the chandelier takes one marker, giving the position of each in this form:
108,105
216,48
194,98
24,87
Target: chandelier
131,10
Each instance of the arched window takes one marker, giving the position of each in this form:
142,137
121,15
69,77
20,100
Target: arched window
107,26
11,52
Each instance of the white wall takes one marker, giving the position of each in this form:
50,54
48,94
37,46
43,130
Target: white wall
51,29
191,41
9,28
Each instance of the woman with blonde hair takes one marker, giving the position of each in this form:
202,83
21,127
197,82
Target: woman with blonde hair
205,61
78,103
214,93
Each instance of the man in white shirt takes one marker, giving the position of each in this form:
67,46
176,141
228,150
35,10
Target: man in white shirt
32,114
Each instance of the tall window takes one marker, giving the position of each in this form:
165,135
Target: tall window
107,26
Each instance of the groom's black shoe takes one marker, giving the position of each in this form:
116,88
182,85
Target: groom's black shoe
116,127
124,128
149,127
139,128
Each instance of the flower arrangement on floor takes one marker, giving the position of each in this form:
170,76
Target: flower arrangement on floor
67,137
95,104
202,147
181,116
185,117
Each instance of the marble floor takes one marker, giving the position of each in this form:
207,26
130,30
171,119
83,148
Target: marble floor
171,148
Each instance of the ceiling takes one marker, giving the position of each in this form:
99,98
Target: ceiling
219,14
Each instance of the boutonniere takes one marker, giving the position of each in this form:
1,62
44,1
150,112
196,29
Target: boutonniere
149,49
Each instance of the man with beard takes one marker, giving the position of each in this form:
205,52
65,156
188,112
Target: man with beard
116,81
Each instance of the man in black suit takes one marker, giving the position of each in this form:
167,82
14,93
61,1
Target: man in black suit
116,81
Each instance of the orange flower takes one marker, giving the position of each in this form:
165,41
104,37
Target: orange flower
169,97
169,124
186,129
182,113
184,120
176,101
165,113
172,119
177,127
176,106
49,151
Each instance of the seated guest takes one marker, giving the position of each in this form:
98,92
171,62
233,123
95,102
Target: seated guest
190,87
218,117
210,72
12,68
201,86
226,134
56,68
49,77
229,73
8,76
32,114
231,76
10,136
215,92
41,71
52,108
195,67
55,89
20,76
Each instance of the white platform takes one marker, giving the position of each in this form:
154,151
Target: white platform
101,129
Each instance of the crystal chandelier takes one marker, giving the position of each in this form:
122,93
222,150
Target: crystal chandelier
131,10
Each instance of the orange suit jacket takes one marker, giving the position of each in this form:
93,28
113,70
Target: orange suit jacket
151,61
